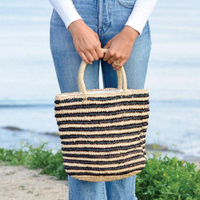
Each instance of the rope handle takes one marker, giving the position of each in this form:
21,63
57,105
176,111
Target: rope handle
121,76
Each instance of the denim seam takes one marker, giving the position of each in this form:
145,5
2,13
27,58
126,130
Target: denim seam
54,57
149,35
104,195
149,38
124,5
109,17
133,189
69,189
99,16
105,30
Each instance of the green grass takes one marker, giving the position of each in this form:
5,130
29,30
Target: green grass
162,178
35,158
168,178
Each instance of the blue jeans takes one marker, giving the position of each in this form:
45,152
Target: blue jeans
106,18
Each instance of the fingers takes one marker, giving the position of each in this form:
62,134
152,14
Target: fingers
115,59
112,55
100,52
86,41
91,54
83,57
112,59
117,64
94,54
92,50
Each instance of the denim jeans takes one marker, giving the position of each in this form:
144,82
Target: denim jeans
107,18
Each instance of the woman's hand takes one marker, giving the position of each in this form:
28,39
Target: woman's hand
86,41
120,47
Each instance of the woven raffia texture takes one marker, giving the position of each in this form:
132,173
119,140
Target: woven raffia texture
103,134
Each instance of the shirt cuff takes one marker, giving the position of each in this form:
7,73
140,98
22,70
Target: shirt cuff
140,14
69,17
137,24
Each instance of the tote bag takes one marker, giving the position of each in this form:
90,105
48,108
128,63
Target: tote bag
103,131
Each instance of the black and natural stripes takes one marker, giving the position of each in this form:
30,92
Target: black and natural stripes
103,134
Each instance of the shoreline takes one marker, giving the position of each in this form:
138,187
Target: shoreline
172,151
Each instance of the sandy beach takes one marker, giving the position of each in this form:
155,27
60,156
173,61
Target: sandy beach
19,183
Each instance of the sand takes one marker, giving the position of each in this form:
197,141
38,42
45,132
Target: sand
19,183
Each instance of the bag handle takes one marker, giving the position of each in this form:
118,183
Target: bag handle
121,76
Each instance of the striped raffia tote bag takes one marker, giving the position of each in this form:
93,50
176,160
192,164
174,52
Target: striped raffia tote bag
103,131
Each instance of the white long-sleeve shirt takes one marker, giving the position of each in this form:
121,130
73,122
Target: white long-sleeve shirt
137,19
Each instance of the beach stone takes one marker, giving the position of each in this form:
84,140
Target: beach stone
156,146
13,128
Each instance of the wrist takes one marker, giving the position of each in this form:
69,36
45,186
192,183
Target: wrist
75,24
130,32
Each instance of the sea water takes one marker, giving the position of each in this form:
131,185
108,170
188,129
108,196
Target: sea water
28,81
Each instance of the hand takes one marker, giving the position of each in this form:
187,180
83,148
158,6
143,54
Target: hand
120,47
86,41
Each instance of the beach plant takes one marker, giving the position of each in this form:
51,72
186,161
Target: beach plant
51,164
35,158
162,178
168,178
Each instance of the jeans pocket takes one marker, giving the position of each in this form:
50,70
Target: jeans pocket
127,3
